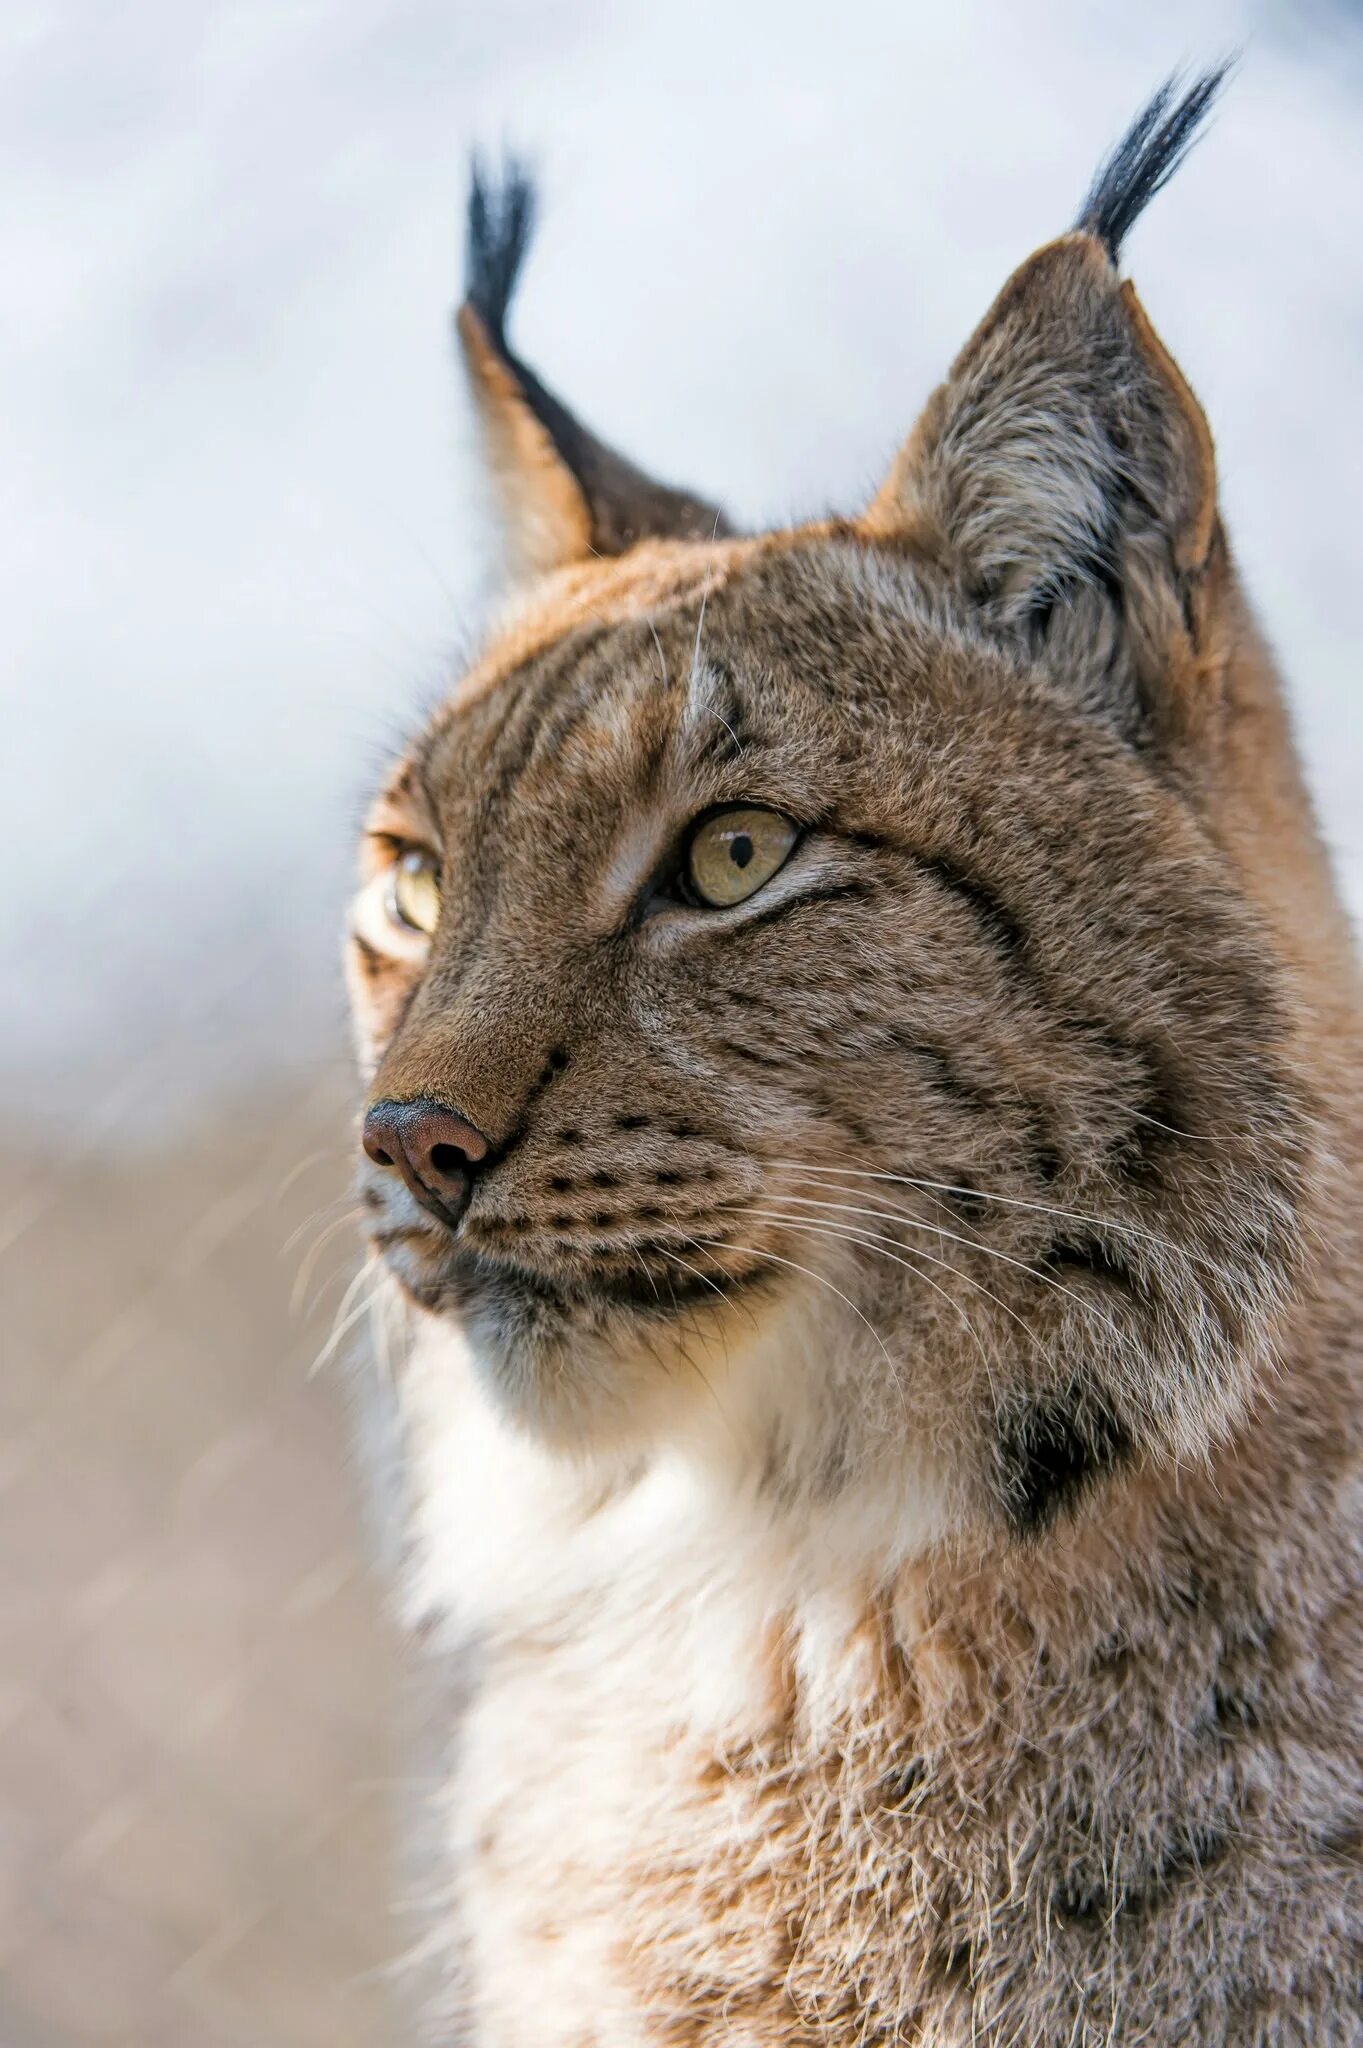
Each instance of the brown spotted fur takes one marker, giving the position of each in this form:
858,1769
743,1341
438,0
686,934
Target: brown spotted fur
899,1612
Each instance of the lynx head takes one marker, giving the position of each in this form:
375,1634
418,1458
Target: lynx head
811,996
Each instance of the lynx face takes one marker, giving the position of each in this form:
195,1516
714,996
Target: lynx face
808,992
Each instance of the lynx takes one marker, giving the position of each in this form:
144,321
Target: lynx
862,1151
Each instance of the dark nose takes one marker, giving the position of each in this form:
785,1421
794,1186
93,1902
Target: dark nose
436,1151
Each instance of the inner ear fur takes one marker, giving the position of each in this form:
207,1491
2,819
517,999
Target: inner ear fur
1063,476
563,494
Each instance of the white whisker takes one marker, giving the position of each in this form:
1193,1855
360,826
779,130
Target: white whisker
662,658
305,1165
642,1264
724,1296
1194,1137
324,1209
700,622
756,1252
701,1375
1133,1230
379,1305
307,1264
345,1322
902,1217
877,1240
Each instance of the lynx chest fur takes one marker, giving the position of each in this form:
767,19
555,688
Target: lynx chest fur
862,1161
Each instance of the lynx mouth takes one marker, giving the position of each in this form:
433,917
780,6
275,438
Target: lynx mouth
451,1277
658,1294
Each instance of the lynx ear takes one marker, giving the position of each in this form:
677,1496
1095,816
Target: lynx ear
1064,474
564,495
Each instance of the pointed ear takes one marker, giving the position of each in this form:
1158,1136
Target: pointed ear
1063,475
563,494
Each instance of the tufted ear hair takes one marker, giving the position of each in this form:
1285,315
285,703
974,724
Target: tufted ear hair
563,494
1063,475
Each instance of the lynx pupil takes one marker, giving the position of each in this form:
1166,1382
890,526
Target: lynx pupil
734,852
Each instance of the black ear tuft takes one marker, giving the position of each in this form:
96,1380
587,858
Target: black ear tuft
616,504
1148,155
498,228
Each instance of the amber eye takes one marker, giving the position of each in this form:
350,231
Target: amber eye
414,890
732,854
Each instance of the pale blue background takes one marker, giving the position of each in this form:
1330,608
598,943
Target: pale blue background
242,530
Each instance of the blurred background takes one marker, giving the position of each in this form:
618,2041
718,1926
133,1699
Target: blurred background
243,547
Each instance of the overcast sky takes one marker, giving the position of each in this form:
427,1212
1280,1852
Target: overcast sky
242,529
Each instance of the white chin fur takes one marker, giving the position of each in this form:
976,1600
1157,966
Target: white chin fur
625,1610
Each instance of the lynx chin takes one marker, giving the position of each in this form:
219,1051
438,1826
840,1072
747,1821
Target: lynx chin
864,1177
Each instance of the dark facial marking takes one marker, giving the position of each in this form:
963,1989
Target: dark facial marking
1052,1451
1093,1258
991,914
577,665
943,1072
755,1058
1159,1125
1234,1712
555,1064
1140,1889
677,1288
835,892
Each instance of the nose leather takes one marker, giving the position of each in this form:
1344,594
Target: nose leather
436,1151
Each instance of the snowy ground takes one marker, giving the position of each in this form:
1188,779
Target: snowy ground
242,532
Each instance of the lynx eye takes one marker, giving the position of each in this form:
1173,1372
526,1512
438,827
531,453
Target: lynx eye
414,890
735,852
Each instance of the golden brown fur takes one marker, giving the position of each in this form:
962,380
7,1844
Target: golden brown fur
885,1427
